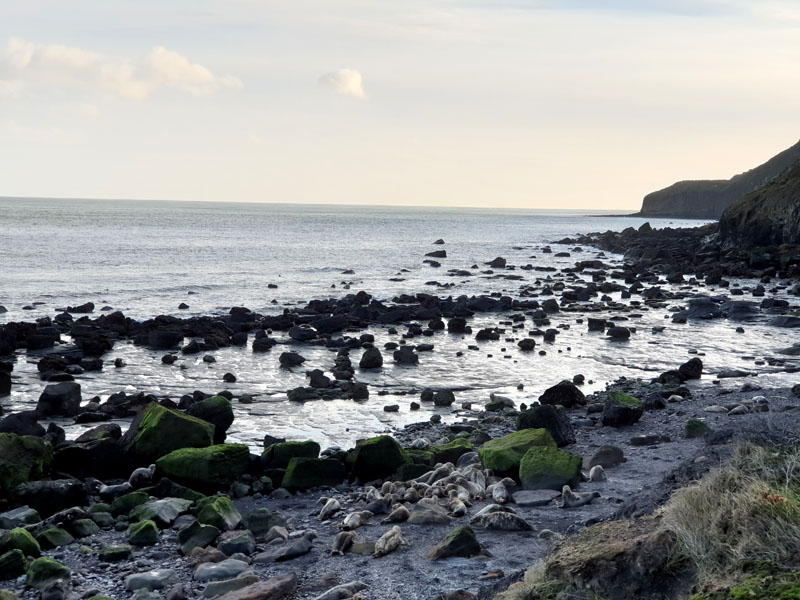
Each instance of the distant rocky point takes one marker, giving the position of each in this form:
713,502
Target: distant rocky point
708,199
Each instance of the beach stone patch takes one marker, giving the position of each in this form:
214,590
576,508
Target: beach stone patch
607,456
226,569
157,579
286,550
232,542
196,535
276,587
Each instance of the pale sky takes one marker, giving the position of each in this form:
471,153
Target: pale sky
585,104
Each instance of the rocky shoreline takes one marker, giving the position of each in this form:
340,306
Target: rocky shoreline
211,519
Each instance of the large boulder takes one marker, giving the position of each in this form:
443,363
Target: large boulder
50,496
549,468
206,469
25,422
277,456
216,410
376,458
692,369
20,539
621,409
504,454
564,393
549,417
371,359
219,512
157,431
459,542
450,451
306,473
60,399
96,453
22,458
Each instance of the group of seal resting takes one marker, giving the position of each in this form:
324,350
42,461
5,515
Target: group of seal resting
446,491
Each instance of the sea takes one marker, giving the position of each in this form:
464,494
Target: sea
145,258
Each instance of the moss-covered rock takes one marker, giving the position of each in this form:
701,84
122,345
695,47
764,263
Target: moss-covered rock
127,502
695,428
207,469
764,582
20,539
450,451
306,473
552,418
219,512
277,456
376,458
157,431
162,512
420,457
216,410
261,520
54,537
44,571
621,409
503,455
196,535
82,528
143,533
12,564
8,595
22,458
549,469
115,553
407,472
459,542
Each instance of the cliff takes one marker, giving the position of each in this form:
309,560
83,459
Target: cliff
708,199
769,216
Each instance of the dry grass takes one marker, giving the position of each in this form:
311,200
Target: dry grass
745,512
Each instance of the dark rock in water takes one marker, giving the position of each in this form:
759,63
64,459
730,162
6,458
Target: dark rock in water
229,378
183,306
302,334
318,379
693,369
437,254
192,347
621,409
551,418
82,308
263,344
92,417
291,359
498,263
487,334
371,359
328,324
239,338
439,242
216,410
62,399
596,324
49,497
793,350
673,377
169,359
22,423
5,383
564,393
785,321
618,333
443,398
740,311
164,340
699,308
457,325
405,355
302,394
527,344
607,457
551,306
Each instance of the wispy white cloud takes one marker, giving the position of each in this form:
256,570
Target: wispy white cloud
347,82
25,63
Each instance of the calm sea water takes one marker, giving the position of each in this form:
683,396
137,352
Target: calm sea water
145,258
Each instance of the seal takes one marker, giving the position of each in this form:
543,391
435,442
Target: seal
379,507
389,542
344,591
398,515
355,520
598,473
490,508
411,495
342,542
330,508
499,493
504,521
570,499
456,506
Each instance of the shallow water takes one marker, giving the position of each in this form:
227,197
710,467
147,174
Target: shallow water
145,258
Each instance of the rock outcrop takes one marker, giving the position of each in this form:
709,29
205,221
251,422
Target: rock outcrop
769,216
708,199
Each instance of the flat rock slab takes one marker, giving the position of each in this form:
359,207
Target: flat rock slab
274,588
151,580
535,497
220,571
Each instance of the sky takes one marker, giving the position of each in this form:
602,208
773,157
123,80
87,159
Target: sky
574,104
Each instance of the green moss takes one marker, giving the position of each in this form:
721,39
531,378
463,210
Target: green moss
127,502
407,472
624,400
549,468
144,533
450,451
694,428
20,539
22,458
208,469
420,457
376,458
12,564
161,430
8,595
306,473
53,537
503,455
219,512
277,456
43,571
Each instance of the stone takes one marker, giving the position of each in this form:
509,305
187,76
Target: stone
693,369
216,410
196,535
450,451
207,469
232,542
695,428
376,458
81,528
459,542
218,588
286,550
443,398
219,512
19,539
144,533
260,520
162,512
157,579
225,569
54,537
277,456
551,418
503,455
607,457
549,468
12,564
621,410
60,399
272,589
24,515
43,571
115,553
157,431
371,359
306,473
564,393
540,497
22,458
50,496
127,502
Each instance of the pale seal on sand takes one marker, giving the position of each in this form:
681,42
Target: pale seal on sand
331,507
597,473
342,542
490,508
570,499
499,493
355,520
341,592
389,542
504,521
397,515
